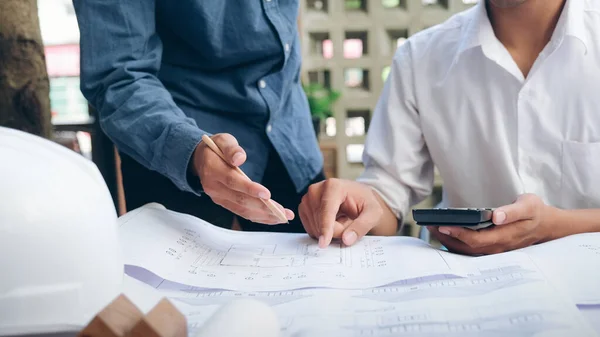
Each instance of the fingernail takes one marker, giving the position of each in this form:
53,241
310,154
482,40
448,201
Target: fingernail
350,237
263,195
500,217
237,157
444,230
322,243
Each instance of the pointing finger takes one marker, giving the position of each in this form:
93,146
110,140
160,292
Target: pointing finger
332,198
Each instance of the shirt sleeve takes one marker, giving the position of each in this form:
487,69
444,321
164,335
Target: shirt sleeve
397,162
120,59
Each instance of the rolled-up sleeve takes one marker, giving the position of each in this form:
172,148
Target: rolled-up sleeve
120,59
397,163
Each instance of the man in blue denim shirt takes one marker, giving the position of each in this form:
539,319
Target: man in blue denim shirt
162,73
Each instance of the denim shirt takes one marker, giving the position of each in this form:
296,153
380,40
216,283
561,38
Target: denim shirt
161,73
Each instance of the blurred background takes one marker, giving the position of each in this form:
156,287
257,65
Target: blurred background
347,45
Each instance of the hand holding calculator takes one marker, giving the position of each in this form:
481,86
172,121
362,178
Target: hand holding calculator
472,218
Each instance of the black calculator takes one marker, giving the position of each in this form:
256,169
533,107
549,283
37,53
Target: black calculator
473,218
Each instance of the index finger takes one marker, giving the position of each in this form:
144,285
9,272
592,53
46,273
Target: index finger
331,199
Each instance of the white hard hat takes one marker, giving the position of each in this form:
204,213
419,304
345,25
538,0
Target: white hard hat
60,262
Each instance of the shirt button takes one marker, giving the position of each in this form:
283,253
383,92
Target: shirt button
262,84
269,128
287,47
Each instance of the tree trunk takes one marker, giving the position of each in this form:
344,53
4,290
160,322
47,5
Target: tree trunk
24,85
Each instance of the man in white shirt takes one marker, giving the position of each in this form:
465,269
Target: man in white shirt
504,99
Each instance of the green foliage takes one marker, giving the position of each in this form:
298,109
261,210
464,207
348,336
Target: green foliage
353,4
320,100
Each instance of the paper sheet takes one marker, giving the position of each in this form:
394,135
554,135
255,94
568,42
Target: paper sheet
509,297
380,287
187,250
573,263
592,315
503,271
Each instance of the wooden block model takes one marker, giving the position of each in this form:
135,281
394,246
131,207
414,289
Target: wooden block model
164,320
116,320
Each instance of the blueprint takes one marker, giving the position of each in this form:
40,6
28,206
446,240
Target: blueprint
515,269
508,297
187,250
379,287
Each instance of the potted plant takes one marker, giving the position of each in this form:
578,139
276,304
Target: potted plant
320,101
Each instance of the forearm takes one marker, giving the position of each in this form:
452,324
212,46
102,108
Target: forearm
389,223
561,223
397,161
120,59
142,120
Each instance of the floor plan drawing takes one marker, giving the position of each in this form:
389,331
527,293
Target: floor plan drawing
189,251
275,256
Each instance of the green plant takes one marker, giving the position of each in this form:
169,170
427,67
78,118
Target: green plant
320,100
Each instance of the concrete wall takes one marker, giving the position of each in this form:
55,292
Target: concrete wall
379,24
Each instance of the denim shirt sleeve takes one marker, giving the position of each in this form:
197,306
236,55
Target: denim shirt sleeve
120,59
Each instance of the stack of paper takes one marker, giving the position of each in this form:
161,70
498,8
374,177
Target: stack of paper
379,287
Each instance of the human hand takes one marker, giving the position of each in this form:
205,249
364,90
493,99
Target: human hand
518,225
343,209
227,187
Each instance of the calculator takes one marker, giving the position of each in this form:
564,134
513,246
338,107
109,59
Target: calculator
472,218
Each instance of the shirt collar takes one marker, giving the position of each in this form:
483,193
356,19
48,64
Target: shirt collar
571,22
479,30
472,34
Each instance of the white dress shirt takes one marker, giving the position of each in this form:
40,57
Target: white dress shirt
456,99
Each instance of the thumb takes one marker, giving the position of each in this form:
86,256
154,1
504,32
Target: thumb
360,226
521,209
233,152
